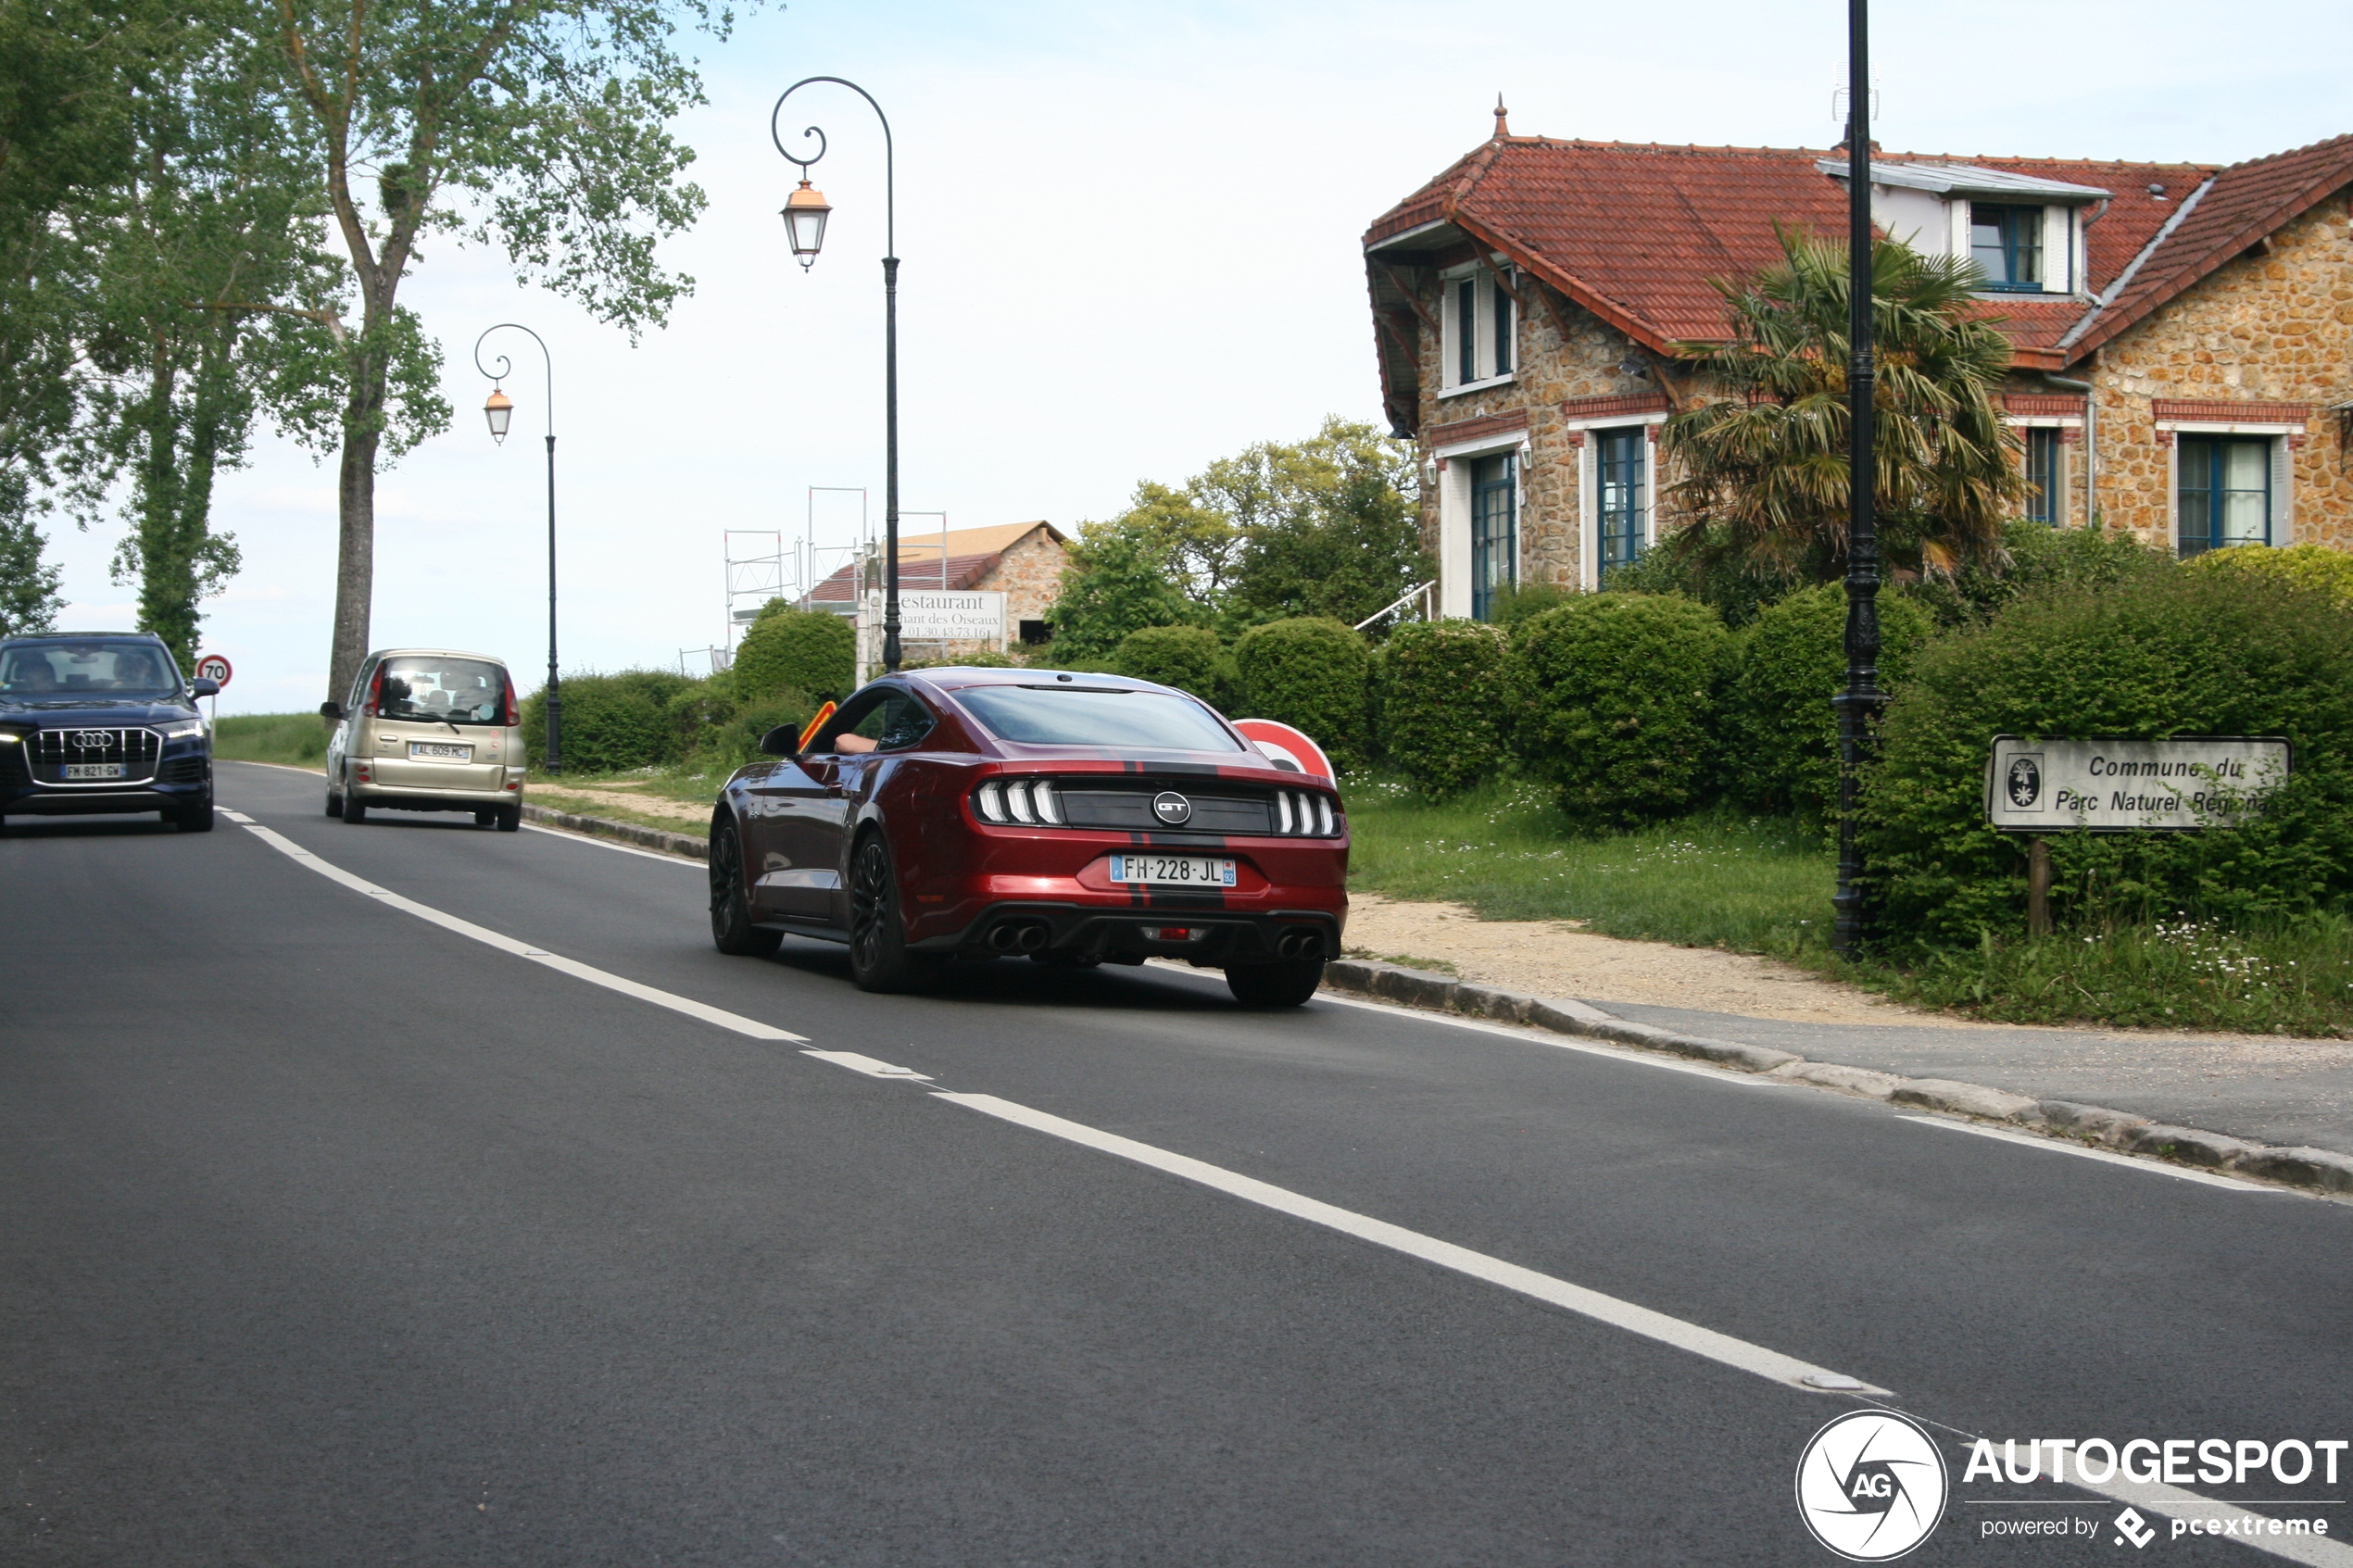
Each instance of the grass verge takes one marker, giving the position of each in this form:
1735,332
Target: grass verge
1758,884
295,740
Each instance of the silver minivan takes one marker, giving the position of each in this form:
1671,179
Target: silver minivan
427,730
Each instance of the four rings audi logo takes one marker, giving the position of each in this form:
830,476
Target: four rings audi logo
93,737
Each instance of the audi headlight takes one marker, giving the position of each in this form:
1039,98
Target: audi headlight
182,730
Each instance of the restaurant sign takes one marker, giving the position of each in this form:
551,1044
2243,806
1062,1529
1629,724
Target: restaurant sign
2131,785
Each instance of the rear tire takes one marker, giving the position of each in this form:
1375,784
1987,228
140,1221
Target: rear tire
1283,984
509,818
355,810
334,804
731,929
878,956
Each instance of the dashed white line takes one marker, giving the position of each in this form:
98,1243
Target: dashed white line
505,943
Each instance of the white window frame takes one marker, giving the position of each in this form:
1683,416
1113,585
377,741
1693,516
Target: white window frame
1483,329
2067,456
1589,489
1454,515
2284,438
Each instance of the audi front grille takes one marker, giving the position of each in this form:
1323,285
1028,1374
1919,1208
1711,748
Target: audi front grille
136,750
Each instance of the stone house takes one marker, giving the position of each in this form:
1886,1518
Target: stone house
1022,561
2183,333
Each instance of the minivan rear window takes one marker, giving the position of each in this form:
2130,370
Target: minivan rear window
1096,716
442,691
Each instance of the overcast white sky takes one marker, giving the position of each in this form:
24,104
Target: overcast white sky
1129,244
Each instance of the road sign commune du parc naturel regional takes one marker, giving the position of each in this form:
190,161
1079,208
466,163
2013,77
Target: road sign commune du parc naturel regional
2115,785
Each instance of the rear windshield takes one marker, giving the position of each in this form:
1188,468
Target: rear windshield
102,666
1092,716
442,691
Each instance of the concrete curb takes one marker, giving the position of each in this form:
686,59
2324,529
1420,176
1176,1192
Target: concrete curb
2318,1169
681,844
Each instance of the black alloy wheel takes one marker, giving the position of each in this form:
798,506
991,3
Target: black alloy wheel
731,929
1286,983
878,956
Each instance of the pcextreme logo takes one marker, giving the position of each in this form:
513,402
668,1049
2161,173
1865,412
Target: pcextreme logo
1872,1485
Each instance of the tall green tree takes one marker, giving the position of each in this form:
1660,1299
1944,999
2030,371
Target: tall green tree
1764,458
1329,526
536,126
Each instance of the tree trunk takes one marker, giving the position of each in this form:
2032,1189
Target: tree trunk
356,549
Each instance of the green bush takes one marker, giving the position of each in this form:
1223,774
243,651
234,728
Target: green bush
2311,566
1523,601
1780,731
735,740
2169,651
1188,657
1441,692
807,649
1620,703
611,723
1308,672
2036,558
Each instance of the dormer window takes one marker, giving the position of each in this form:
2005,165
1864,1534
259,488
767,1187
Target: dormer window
2006,244
1481,331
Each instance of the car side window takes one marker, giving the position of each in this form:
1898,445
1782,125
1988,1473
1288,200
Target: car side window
855,713
889,721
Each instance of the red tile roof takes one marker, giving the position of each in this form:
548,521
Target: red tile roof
914,572
1634,233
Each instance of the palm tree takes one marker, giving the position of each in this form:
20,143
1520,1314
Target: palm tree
1764,461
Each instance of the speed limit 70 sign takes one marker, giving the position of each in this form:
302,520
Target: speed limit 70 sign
212,667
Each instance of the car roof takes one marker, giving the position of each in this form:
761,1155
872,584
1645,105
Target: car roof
75,636
953,677
437,653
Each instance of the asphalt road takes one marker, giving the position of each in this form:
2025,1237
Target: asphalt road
329,1235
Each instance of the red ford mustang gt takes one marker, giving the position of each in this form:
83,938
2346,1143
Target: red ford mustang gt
1076,819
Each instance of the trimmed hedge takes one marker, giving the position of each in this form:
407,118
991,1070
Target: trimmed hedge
806,650
1188,657
2316,567
1619,703
1442,693
2167,652
612,723
1308,672
1780,731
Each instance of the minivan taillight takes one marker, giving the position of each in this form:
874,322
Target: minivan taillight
375,691
514,718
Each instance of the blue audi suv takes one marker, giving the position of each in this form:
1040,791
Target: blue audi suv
102,722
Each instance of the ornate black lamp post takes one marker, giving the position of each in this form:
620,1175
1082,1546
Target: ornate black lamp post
1860,703
804,218
500,412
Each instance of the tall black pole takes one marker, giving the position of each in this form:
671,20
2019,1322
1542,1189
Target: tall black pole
555,689
891,338
555,758
1860,702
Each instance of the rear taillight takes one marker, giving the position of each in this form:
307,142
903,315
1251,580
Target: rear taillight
1305,813
514,718
375,691
1032,801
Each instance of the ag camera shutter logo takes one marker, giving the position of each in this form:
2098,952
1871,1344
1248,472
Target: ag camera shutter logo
1872,1485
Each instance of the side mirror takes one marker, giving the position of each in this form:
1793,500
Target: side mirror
330,711
204,685
782,741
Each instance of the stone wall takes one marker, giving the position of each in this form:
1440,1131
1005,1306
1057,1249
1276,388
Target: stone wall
1563,351
1030,576
2275,328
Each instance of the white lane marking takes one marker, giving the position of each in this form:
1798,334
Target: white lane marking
608,844
2154,1167
1739,1353
561,965
236,816
869,1066
281,767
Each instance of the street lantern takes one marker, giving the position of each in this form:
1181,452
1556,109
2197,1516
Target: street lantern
804,217
499,411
